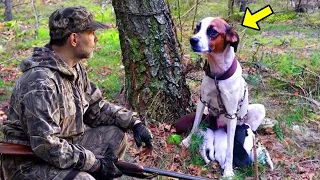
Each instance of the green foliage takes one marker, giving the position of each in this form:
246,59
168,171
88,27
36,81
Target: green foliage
110,84
279,132
315,60
105,16
2,83
107,58
196,159
295,112
43,34
248,171
253,79
281,17
174,139
238,16
11,24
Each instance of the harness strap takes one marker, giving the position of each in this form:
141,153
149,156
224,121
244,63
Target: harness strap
221,107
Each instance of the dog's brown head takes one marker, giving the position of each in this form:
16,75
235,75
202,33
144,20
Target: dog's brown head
213,35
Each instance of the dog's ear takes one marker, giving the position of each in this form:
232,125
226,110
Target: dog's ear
232,37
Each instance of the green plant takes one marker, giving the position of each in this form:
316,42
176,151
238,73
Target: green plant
196,159
281,17
278,130
174,139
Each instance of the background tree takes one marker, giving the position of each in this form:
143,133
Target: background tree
155,85
8,10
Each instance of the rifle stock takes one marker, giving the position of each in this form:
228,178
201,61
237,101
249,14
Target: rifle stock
139,171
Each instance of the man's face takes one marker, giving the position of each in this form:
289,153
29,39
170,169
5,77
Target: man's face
87,42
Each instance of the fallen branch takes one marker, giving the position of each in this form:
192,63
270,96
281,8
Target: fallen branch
311,161
294,85
313,101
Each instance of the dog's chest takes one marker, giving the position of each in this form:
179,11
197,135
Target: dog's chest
210,95
222,97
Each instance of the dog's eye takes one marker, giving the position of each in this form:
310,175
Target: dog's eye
211,32
197,28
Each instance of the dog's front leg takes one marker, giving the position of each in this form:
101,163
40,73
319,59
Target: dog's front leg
231,128
199,112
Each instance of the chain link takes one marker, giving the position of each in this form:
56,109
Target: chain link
222,109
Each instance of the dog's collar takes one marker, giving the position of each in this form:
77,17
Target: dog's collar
225,75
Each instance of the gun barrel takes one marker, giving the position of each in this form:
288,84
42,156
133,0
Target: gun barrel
172,174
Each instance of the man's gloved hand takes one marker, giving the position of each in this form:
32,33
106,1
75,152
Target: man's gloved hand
142,134
106,168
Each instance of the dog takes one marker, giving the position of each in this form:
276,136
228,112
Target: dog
223,89
214,147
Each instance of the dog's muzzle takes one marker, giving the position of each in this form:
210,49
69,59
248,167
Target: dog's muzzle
198,46
194,42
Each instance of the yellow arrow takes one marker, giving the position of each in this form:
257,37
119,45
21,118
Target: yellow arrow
250,20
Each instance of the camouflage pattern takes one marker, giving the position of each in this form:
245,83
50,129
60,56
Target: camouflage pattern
94,139
50,105
72,20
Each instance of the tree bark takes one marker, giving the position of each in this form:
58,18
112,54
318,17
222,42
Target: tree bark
154,82
243,5
8,11
230,7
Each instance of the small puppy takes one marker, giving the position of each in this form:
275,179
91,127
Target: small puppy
223,90
214,147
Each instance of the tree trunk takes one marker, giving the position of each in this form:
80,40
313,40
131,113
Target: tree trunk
154,82
243,5
8,11
230,7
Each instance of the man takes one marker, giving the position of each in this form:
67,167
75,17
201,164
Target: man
60,114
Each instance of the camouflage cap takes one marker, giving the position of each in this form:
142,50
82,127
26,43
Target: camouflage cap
72,20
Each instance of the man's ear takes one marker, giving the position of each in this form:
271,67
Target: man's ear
73,39
232,37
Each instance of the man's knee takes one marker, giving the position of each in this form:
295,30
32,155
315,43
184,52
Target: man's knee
99,138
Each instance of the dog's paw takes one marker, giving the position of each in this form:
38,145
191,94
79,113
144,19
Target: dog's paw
228,173
186,142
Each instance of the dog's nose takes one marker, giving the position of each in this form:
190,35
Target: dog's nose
194,41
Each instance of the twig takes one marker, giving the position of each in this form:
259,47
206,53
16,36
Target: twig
256,169
313,101
287,82
36,24
310,161
187,12
19,4
180,25
195,13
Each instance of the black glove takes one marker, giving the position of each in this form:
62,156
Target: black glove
107,169
142,134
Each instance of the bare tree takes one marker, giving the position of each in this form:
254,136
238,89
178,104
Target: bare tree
36,23
243,5
154,82
230,7
8,10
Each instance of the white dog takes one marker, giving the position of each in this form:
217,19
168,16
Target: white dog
223,89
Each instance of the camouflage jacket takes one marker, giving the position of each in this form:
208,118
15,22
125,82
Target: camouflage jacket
50,105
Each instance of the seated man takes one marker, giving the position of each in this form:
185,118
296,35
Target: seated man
60,114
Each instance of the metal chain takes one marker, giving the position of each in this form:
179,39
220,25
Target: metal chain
222,108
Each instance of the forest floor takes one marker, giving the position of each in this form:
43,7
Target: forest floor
296,156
